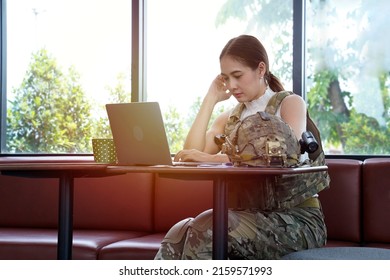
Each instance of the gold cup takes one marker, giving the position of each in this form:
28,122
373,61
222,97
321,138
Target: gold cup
104,150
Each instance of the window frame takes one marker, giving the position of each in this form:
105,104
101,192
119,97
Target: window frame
3,76
138,57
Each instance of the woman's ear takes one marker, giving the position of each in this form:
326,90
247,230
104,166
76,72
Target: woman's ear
262,69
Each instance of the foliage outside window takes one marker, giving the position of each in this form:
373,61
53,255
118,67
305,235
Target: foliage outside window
184,59
65,60
55,105
347,65
349,74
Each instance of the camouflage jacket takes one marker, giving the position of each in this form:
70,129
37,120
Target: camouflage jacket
285,191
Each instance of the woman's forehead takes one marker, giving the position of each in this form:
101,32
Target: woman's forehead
229,65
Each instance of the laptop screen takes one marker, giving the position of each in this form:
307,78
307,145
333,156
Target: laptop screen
139,133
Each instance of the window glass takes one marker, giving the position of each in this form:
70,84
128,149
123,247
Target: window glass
348,68
184,40
65,60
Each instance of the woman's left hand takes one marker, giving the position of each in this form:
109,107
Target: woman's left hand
193,155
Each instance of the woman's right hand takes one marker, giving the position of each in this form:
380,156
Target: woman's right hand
218,89
200,137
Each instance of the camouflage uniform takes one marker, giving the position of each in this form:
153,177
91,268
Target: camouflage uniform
266,220
253,234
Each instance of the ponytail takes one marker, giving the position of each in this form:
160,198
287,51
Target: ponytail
273,82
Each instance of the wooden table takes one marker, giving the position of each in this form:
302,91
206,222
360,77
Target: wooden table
65,172
220,175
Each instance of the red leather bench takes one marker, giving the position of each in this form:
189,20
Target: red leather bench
126,216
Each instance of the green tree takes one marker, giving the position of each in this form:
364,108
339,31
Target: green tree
329,105
332,107
117,94
371,138
50,113
175,129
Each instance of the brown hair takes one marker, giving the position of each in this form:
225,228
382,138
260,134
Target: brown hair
249,51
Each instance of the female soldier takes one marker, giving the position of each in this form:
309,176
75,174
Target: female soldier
254,233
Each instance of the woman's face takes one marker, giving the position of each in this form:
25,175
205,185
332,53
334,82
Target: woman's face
244,83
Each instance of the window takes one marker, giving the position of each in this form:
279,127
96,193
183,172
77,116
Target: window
65,60
347,62
184,40
62,60
348,68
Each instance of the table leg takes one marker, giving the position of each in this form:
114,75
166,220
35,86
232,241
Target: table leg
65,219
220,219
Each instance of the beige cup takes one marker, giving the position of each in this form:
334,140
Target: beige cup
104,150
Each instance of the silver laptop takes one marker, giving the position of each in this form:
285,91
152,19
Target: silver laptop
139,135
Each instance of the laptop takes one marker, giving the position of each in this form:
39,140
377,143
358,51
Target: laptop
139,134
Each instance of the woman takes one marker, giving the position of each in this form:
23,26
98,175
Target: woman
254,233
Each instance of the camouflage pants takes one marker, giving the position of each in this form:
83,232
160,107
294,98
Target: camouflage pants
252,234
